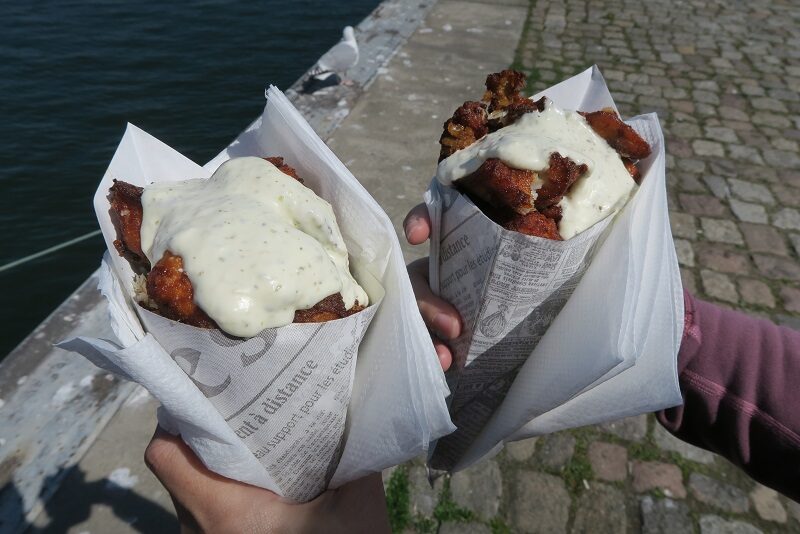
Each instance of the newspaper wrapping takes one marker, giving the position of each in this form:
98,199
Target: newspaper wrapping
293,408
510,288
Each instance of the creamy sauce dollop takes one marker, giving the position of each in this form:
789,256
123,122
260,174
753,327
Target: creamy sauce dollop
528,143
256,244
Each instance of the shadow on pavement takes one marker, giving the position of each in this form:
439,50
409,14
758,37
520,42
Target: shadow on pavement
73,504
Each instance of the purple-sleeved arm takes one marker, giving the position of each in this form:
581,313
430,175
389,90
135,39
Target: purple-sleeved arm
740,380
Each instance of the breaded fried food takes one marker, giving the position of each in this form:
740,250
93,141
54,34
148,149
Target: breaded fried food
619,135
169,290
561,173
524,200
501,186
535,224
467,125
126,215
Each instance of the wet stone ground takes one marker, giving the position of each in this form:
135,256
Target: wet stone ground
724,79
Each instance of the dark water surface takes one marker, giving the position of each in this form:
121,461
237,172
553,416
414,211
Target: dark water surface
191,73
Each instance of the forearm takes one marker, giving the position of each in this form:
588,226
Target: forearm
740,381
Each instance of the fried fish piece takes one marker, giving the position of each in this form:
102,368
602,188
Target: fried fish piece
535,224
126,216
622,138
467,125
169,287
559,176
500,186
328,309
284,168
503,88
169,290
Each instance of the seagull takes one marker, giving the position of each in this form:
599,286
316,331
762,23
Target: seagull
341,57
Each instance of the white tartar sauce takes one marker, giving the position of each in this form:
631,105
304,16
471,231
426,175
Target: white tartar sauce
256,244
528,143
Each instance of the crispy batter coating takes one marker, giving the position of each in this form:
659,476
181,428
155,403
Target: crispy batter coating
500,186
467,125
619,135
536,224
561,173
328,309
633,170
168,286
126,215
516,109
503,88
284,168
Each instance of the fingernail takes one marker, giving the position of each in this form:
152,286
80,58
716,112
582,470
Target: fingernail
410,226
444,325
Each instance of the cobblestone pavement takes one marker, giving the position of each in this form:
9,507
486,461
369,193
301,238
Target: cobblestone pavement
724,78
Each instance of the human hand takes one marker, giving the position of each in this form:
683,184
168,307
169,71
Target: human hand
207,502
442,319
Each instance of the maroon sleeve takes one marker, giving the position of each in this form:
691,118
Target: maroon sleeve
740,381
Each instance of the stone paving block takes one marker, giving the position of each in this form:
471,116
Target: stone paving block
423,498
745,153
777,268
658,475
791,299
555,450
720,133
718,493
668,442
464,528
712,524
786,195
705,205
787,218
751,191
722,258
600,509
781,158
768,505
795,239
609,461
721,231
719,286
478,488
540,503
630,428
521,450
685,252
756,292
764,238
683,225
718,186
664,516
703,147
748,211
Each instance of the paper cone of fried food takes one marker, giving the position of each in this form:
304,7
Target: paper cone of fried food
291,408
558,333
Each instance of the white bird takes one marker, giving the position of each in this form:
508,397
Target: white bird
341,57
